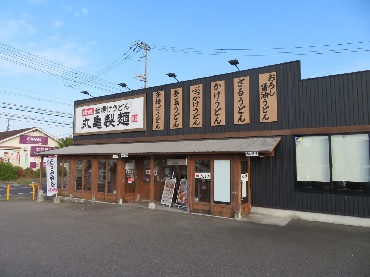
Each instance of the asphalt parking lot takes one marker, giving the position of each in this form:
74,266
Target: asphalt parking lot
74,239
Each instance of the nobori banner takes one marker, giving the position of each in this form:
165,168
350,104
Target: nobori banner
121,115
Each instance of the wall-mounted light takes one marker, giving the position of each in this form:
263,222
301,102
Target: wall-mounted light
124,85
87,93
172,75
234,63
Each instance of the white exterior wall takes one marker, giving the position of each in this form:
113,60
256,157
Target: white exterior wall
24,149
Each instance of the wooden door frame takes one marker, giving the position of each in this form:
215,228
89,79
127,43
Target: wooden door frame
227,210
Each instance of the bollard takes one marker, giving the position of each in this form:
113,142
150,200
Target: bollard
33,185
7,192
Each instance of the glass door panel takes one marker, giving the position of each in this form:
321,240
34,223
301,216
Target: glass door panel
202,181
221,182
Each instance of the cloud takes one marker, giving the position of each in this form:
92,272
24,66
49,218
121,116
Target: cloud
57,23
83,11
14,27
36,2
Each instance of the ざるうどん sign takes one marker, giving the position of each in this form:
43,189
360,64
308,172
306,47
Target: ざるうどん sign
121,115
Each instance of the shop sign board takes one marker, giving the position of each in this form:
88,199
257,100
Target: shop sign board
24,139
241,100
176,109
218,103
36,149
206,176
251,154
196,106
122,115
268,97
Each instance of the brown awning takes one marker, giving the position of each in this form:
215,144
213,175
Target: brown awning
221,146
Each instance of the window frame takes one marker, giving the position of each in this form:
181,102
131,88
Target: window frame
330,188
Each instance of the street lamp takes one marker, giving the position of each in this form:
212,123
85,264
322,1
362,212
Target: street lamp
234,63
172,75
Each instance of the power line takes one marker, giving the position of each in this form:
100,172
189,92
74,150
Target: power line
32,92
43,120
30,97
35,110
75,77
339,48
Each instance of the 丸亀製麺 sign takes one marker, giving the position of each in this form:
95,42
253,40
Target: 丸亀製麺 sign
121,115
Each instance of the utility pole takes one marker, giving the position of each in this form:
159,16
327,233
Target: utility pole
146,48
8,127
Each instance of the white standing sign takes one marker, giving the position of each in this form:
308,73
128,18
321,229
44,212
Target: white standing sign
51,176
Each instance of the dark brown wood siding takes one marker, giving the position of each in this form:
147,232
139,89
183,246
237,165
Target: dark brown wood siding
340,100
288,78
273,180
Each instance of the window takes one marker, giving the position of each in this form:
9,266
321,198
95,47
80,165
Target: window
63,173
336,162
202,181
107,181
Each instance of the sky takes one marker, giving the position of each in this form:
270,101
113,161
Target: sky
51,51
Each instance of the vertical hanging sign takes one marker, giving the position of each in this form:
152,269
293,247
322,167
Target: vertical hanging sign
241,100
51,176
176,108
158,110
218,103
196,104
268,97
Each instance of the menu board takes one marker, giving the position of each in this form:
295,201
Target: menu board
169,189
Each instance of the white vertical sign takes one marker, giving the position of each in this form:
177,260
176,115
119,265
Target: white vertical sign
51,176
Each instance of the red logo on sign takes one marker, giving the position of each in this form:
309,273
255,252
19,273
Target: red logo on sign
89,111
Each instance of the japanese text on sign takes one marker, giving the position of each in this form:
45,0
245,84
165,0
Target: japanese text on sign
206,176
125,114
158,110
268,97
176,108
241,100
51,176
218,103
196,104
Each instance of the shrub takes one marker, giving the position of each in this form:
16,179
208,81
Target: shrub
37,172
20,171
30,173
8,172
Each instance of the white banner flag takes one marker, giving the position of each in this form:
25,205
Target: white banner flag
51,176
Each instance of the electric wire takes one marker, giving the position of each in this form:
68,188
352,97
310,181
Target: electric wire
35,110
6,92
339,48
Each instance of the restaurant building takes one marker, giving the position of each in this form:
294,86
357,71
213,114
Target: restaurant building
20,147
223,144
